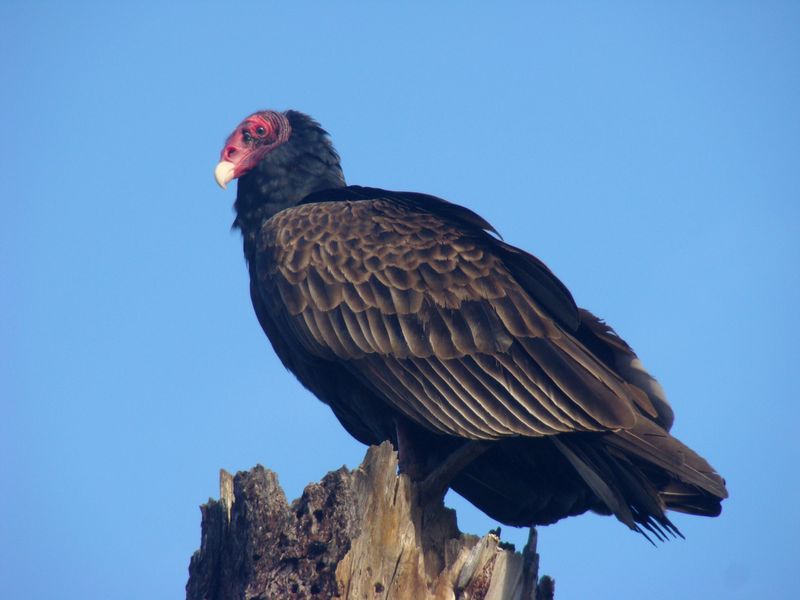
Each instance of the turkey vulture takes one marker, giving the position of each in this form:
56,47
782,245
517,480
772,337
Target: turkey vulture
415,324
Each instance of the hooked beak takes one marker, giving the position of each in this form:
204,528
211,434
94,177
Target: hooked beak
223,173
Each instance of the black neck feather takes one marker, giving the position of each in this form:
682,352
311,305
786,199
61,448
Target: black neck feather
306,163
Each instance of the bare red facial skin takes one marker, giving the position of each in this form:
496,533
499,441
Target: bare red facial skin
257,135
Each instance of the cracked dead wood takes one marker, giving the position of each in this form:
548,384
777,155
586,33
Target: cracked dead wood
355,535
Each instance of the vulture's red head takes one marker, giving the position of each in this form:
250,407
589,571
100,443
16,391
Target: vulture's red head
279,158
249,144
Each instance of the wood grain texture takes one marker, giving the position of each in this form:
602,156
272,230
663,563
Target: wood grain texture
356,535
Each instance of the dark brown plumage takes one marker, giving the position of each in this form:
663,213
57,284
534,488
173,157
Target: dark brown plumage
403,313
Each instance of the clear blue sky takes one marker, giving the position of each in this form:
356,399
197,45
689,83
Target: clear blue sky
650,154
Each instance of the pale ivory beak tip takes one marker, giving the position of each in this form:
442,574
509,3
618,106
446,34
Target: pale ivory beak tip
223,173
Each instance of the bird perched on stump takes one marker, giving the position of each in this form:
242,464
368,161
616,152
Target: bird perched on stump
414,323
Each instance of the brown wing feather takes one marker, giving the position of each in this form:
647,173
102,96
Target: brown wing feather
434,321
650,398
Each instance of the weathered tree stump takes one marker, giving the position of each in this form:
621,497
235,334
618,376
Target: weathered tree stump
355,535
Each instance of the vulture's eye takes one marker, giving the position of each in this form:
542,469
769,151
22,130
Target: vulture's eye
246,136
261,131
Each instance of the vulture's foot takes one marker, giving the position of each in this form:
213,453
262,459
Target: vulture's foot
435,485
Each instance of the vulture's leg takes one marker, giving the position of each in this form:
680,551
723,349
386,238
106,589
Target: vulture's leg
409,461
438,480
433,482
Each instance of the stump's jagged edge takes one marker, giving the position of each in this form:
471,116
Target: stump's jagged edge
354,535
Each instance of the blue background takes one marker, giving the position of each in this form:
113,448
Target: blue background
649,154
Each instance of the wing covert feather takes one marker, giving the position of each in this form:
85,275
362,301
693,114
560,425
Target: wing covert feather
432,319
